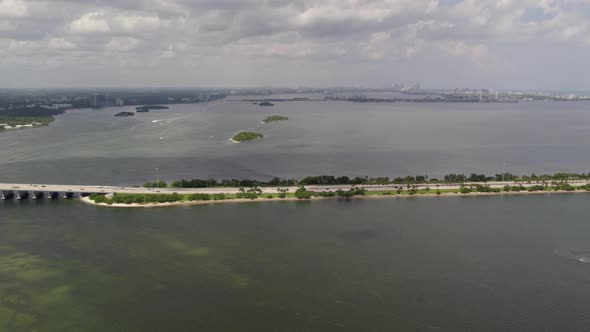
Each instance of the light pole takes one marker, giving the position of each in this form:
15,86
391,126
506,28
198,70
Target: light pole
157,177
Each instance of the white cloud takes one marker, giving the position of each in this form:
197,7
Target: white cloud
92,22
135,23
409,36
458,48
61,44
122,44
13,8
168,54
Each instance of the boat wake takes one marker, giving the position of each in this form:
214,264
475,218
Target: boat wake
168,120
580,255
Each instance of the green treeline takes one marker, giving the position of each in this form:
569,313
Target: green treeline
345,180
21,116
233,183
453,178
160,184
34,112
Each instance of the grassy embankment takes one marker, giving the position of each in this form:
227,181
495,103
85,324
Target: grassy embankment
304,194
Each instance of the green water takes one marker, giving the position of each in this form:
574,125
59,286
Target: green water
440,264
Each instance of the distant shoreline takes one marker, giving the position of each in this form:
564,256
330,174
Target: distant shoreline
88,201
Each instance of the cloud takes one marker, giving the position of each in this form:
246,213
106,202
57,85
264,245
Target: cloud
122,44
92,22
135,23
61,44
458,48
13,8
187,37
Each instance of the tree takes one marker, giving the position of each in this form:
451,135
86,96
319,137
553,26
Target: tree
409,179
282,192
302,193
465,190
160,184
421,178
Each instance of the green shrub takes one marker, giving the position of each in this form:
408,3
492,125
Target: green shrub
465,190
219,197
303,193
199,197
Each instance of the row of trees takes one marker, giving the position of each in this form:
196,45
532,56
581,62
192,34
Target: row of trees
159,184
303,193
233,183
345,180
520,188
33,112
454,178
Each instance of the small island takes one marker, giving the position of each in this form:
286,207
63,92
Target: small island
266,103
275,118
147,108
15,123
125,114
246,136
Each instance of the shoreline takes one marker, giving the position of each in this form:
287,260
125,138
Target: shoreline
87,200
65,111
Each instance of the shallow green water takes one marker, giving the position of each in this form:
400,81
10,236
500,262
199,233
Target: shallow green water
440,264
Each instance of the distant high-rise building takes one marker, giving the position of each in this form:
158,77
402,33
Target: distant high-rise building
119,102
97,100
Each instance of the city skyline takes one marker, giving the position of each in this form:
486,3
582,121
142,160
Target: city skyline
501,45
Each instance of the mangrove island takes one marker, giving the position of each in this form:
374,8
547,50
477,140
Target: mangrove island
246,136
14,123
275,118
147,108
125,114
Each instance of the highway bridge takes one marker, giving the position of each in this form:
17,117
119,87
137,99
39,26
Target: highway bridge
54,191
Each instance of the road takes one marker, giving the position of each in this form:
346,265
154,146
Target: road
91,189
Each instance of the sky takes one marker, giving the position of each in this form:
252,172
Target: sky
499,44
